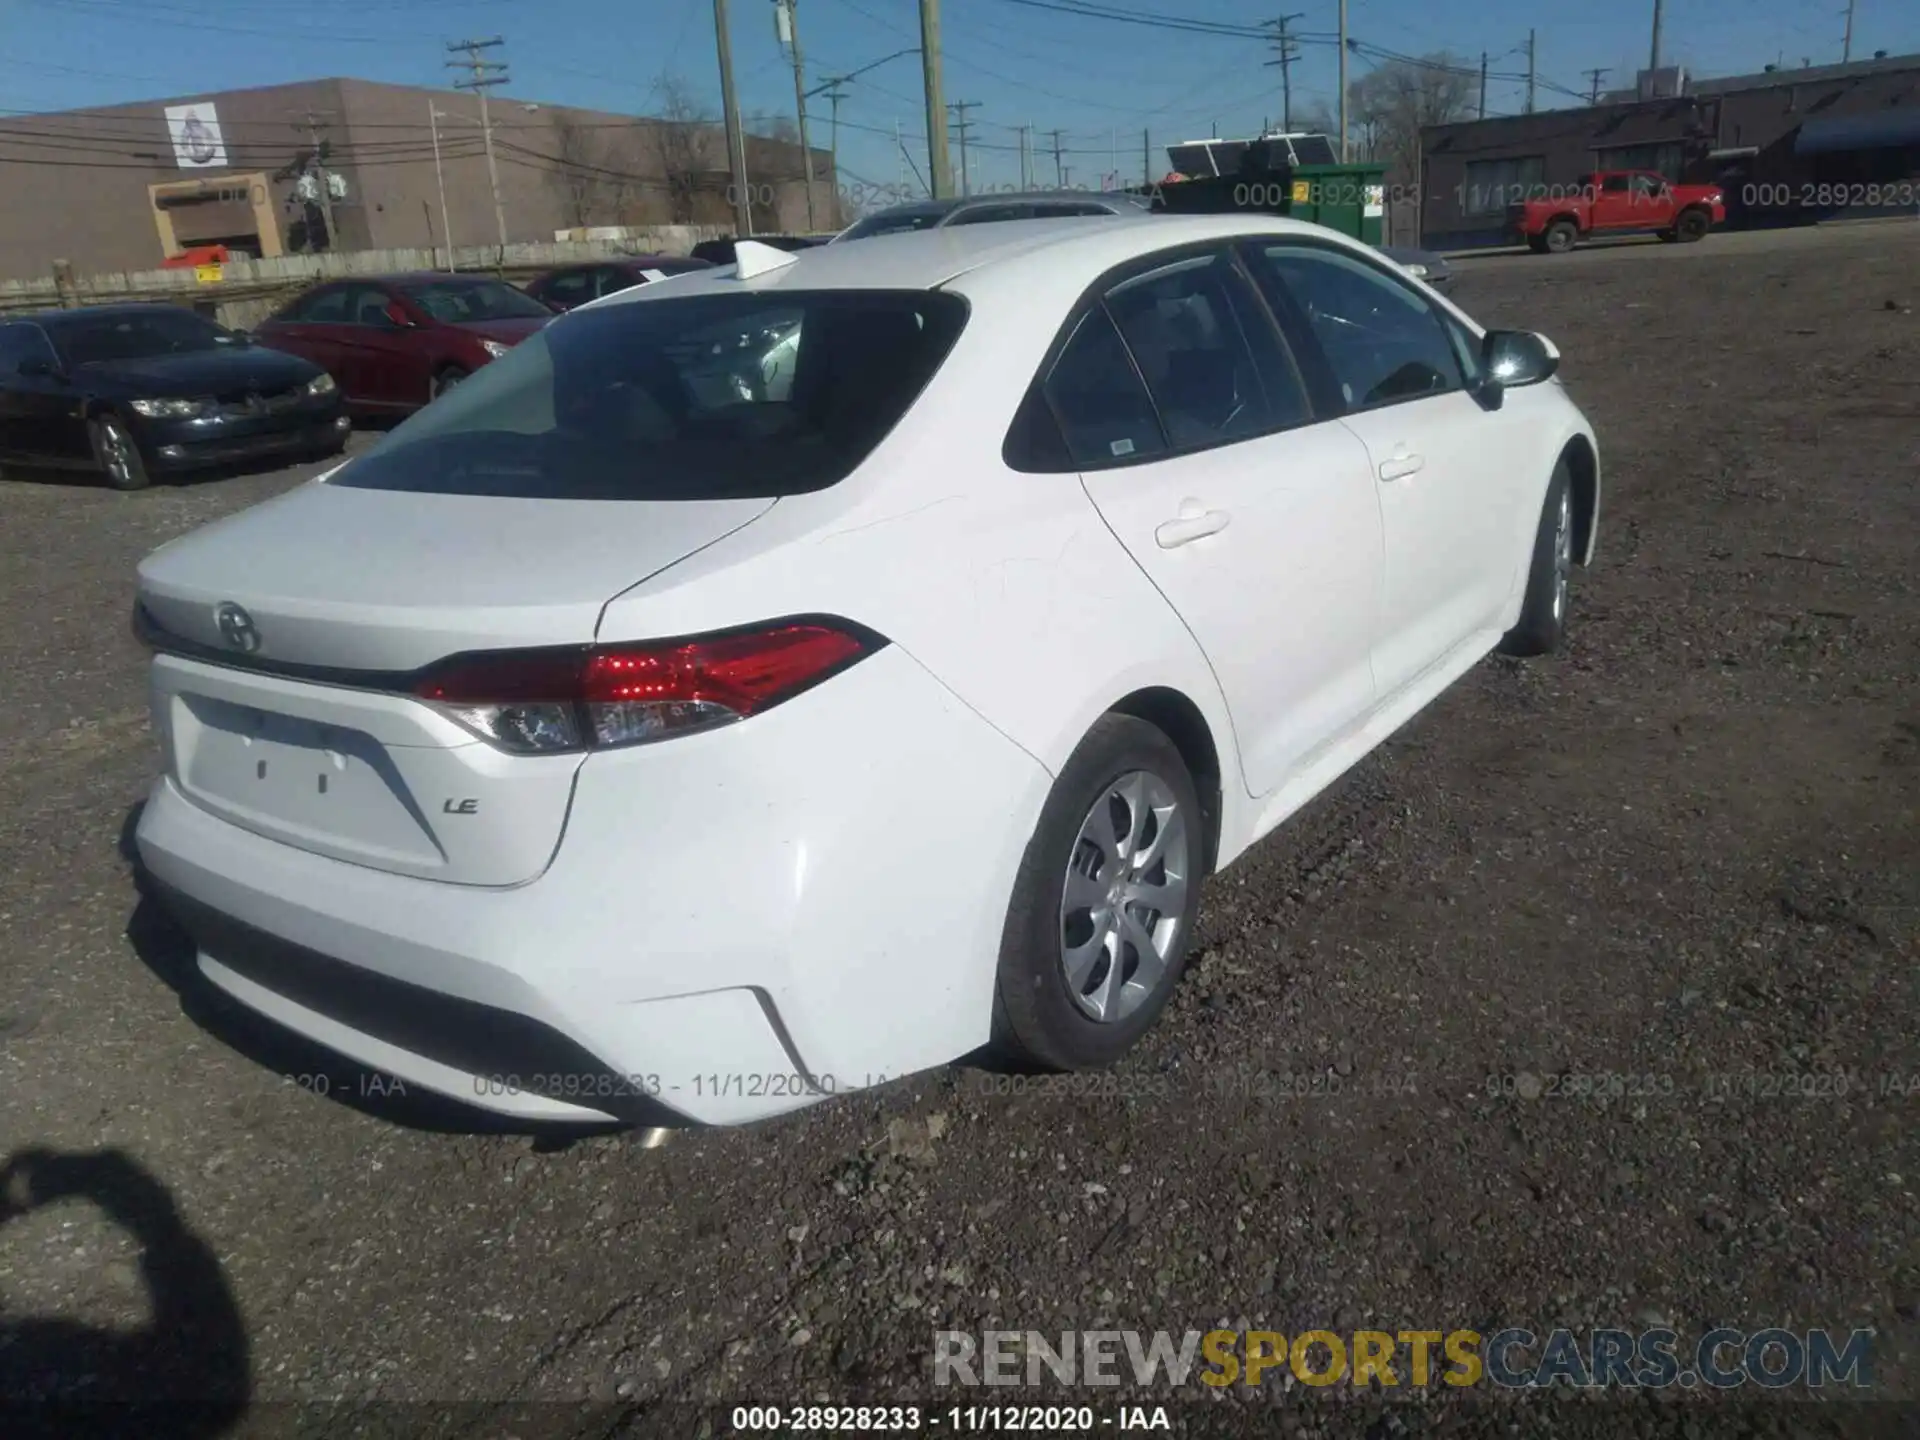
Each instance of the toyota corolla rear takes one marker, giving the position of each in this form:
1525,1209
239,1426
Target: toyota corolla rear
421,806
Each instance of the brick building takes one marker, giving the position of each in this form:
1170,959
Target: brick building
126,186
1787,147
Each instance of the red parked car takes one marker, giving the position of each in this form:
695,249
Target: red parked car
1615,202
394,343
573,285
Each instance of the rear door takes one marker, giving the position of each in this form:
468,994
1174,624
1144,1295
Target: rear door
306,328
1254,516
1385,355
387,367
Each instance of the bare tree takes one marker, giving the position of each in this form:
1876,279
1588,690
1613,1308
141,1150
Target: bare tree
688,147
1389,106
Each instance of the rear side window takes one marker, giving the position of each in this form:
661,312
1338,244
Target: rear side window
570,287
1104,411
704,397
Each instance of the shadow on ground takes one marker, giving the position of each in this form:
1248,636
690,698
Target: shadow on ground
185,1376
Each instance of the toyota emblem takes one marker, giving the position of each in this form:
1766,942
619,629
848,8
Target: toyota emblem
236,628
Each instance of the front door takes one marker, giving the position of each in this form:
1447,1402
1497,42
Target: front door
381,365
1395,367
1254,517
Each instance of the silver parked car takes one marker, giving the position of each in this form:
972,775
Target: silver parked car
1054,204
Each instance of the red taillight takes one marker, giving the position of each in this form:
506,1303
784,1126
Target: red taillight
543,701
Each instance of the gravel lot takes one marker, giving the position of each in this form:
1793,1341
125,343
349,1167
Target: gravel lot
1685,849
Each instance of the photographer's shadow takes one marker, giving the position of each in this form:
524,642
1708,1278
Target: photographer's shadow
185,1375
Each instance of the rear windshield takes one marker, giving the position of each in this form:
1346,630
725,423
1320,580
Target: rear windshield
700,397
461,302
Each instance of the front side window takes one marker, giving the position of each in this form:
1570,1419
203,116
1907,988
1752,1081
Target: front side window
1181,325
1381,339
703,397
21,345
463,301
106,337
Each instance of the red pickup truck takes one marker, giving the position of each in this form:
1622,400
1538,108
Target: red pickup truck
1616,202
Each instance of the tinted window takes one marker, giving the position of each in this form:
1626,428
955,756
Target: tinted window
1103,409
1614,184
568,288
321,307
612,279
459,301
896,223
1049,212
993,214
20,343
133,335
1181,324
703,397
1381,339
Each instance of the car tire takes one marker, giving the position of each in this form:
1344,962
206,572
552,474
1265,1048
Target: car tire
117,452
1123,821
1666,237
1691,226
1537,244
1543,611
445,380
1561,236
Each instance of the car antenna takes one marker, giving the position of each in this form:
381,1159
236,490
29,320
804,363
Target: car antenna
751,258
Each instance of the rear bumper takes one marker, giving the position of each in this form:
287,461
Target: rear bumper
737,924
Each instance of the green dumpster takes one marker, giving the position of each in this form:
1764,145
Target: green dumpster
1276,176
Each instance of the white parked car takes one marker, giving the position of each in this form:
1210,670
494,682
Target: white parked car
626,736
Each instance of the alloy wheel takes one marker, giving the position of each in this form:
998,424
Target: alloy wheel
1124,897
1562,556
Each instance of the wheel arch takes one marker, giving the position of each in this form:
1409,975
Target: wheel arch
1177,717
1583,464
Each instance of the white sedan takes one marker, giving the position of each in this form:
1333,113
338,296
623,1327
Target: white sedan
662,727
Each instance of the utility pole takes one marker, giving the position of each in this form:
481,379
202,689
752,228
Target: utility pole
963,125
1653,58
1284,43
1483,85
835,93
787,20
939,169
440,179
1026,159
1593,94
1146,158
736,140
1846,46
321,178
1113,156
1059,170
486,74
1343,82
1530,72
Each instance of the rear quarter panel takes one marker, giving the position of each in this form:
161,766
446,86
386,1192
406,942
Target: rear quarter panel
1007,587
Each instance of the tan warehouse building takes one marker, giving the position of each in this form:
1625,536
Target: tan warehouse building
126,187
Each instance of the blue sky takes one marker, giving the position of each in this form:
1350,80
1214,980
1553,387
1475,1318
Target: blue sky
1100,81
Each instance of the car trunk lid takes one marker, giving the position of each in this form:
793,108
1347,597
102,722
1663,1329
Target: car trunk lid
292,631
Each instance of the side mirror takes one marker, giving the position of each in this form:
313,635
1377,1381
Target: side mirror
398,316
40,368
1512,358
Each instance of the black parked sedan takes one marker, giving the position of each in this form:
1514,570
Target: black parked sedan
133,389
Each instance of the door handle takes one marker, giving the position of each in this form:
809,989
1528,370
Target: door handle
1189,528
1402,465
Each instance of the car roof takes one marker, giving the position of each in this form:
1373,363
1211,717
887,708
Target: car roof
928,259
954,204
56,318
